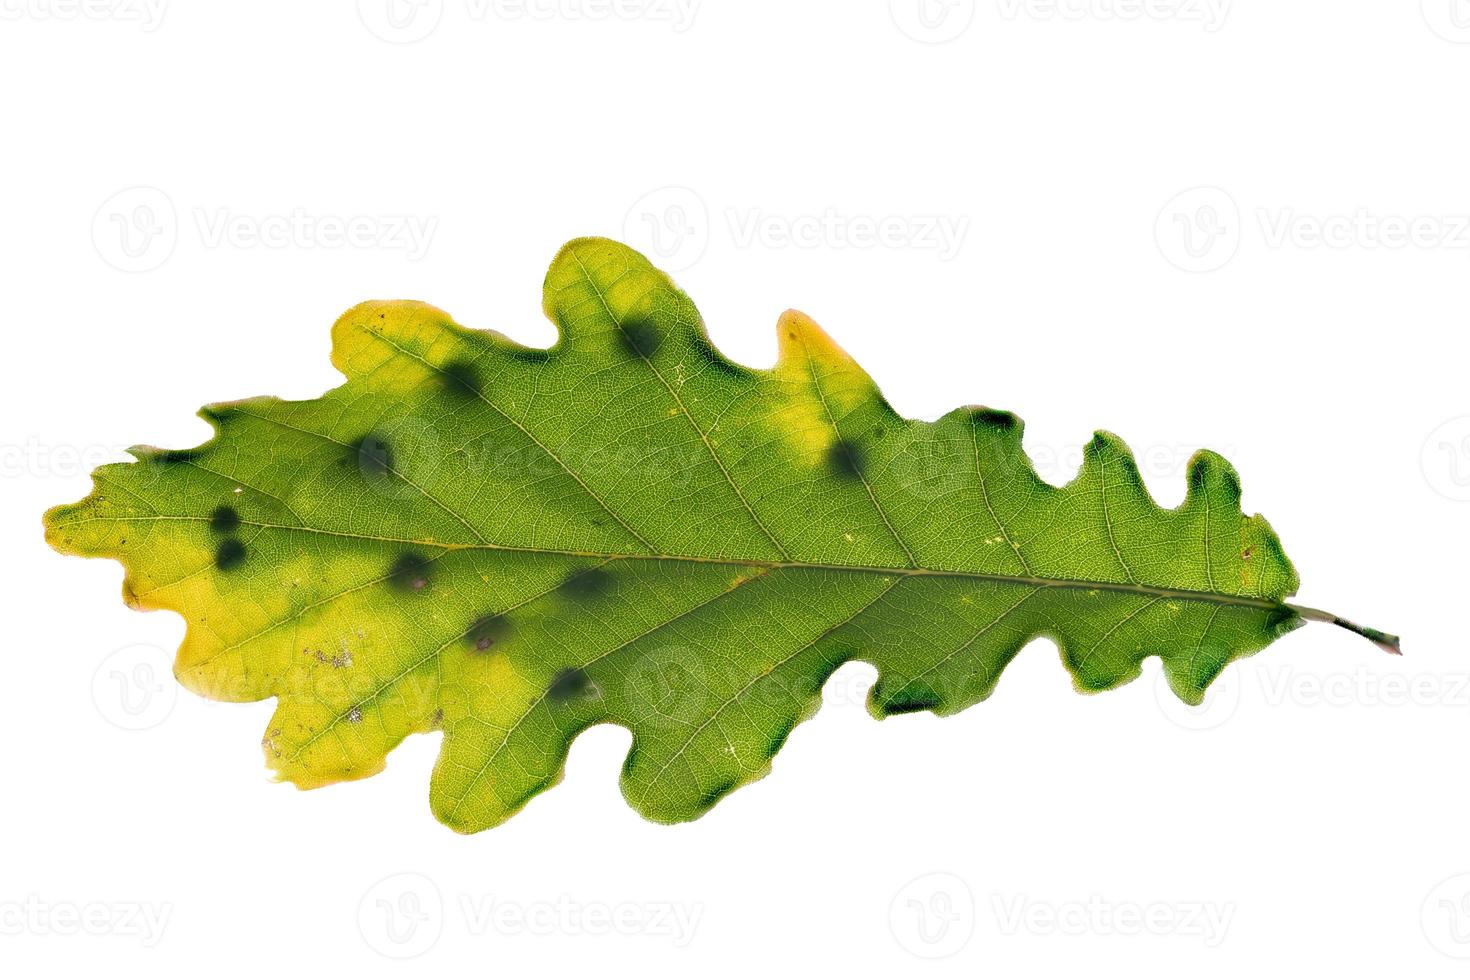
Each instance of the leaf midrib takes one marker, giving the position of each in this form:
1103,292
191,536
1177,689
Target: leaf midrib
1000,578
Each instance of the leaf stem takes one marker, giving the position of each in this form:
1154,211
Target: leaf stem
1387,642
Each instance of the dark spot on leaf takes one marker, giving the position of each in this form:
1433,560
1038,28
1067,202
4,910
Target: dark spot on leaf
487,631
991,419
1197,474
461,378
373,455
569,684
410,572
224,520
715,793
1097,445
845,459
778,739
521,799
911,698
589,583
1232,485
640,337
706,352
179,456
229,555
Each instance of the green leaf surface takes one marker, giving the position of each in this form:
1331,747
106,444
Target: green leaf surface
511,545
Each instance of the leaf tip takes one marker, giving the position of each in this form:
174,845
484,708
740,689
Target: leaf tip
801,344
370,332
1208,470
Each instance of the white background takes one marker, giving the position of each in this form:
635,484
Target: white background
1244,226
